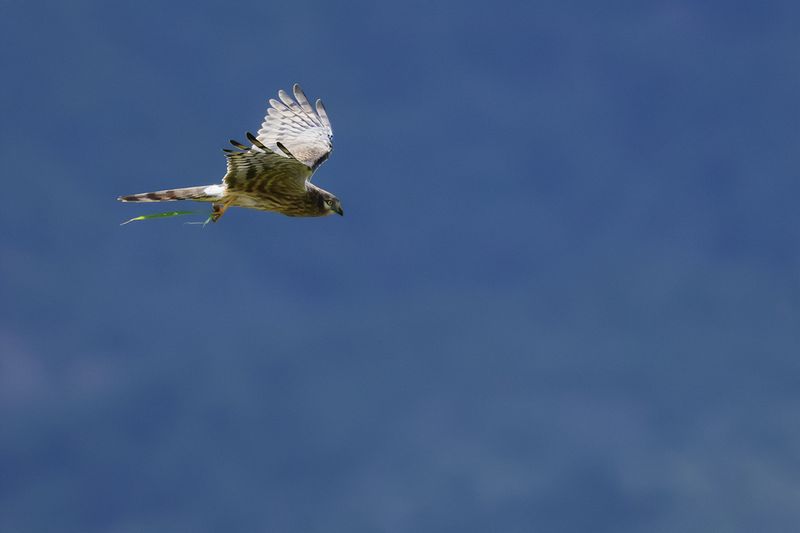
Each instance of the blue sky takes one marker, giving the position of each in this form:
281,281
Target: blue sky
565,295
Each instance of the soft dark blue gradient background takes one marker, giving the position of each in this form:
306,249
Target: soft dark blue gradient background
565,296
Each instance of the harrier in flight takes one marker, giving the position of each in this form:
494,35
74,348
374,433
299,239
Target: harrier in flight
274,173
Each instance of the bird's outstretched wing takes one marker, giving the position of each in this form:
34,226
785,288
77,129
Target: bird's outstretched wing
258,169
295,129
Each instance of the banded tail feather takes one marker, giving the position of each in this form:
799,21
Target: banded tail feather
202,193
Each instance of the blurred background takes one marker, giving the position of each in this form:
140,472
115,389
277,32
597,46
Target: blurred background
565,295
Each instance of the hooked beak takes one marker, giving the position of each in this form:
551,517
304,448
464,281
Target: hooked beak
339,211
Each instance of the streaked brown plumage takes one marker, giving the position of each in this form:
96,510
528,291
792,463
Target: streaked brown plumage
274,172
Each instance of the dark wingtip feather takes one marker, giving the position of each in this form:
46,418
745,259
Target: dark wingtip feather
256,142
285,150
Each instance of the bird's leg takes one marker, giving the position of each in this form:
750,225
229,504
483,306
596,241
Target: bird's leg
219,209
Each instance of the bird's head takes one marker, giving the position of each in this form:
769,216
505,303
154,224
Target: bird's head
331,204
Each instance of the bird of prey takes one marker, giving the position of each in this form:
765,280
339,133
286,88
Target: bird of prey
274,172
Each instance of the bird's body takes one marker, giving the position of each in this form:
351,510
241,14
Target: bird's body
274,173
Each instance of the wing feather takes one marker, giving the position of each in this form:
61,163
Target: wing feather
308,111
260,169
303,131
296,110
323,115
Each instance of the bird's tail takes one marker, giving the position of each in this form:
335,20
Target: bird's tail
202,193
